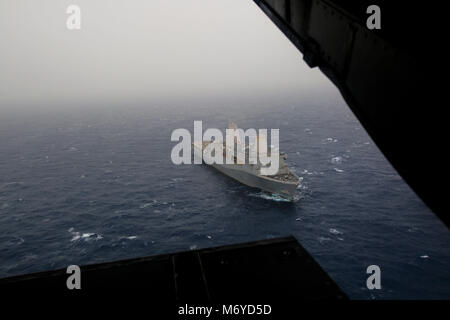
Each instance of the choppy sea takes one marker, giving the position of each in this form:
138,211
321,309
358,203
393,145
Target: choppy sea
82,186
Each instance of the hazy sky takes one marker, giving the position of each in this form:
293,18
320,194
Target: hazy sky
144,50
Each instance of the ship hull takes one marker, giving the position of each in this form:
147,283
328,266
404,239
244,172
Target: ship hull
286,190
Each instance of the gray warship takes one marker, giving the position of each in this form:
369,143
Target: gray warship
284,183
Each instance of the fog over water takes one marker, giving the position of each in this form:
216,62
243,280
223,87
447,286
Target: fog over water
85,124
144,51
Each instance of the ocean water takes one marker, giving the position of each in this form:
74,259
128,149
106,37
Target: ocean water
88,186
